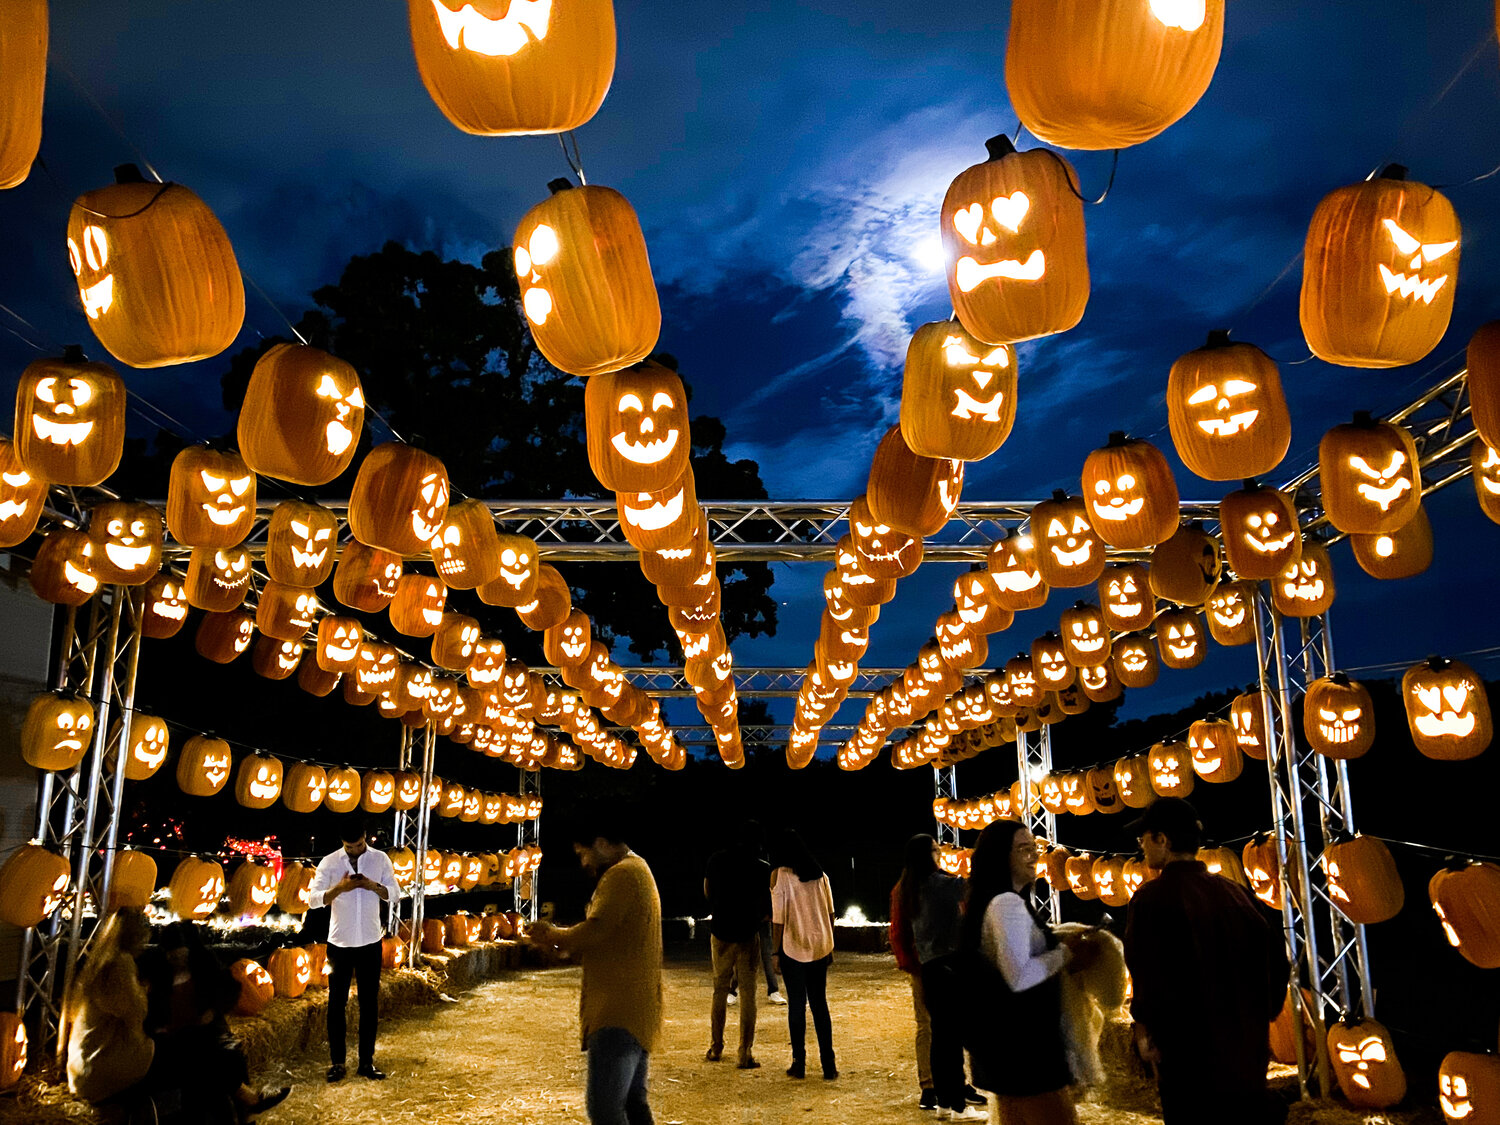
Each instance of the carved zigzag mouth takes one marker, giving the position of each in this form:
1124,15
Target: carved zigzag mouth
645,452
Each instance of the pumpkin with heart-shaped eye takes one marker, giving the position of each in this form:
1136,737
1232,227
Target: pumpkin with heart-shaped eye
1484,460
1363,882
1085,636
1186,567
301,543
156,274
637,422
1125,597
1170,766
1069,552
1101,684
1135,661
1013,568
1180,639
70,420
1365,1065
466,548
1305,588
127,541
251,889
1247,718
210,498
366,577
57,732
218,578
23,61
585,280
303,414
913,494
1370,476
884,553
1402,553
195,888
222,637
399,500
1338,717
958,394
1215,754
1014,245
22,494
1131,493
1227,411
63,571
1230,613
275,660
1378,272
1447,709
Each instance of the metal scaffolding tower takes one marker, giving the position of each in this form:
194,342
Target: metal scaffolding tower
423,822
1034,762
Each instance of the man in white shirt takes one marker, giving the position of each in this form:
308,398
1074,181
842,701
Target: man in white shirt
352,883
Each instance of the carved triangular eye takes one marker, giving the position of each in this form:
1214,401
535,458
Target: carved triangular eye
1404,242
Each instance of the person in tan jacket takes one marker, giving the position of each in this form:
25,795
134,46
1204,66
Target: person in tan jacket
108,1049
619,945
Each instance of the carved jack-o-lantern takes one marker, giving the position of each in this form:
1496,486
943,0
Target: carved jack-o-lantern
301,542
527,66
127,542
1069,552
1179,638
375,669
33,884
1100,684
661,520
1133,781
1338,717
1021,679
302,416
1078,798
291,972
453,642
23,61
304,786
156,274
21,496
1402,553
857,585
275,660
379,791
585,280
210,498
1103,791
1469,1088
1215,753
1466,898
365,577
550,603
567,644
1260,532
1305,588
166,606
63,571
1171,766
1227,411
1131,494
1013,567
222,637
338,643
1136,661
1363,882
343,790
1365,1064
1186,568
1247,717
909,492
203,766
1231,613
195,887
974,600
399,499
465,550
958,394
285,612
258,782
884,553
1125,598
637,420
1483,460
257,990
408,791
57,732
1447,709
70,420
1013,241
251,890
487,664
417,608
1050,660
1378,272
1085,635
1371,480
218,578
150,739
516,575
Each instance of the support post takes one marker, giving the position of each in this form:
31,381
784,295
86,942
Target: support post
529,834
1034,762
945,784
424,816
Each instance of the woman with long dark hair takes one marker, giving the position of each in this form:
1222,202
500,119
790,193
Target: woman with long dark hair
1016,1049
802,931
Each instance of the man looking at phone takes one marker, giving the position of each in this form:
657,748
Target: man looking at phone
352,882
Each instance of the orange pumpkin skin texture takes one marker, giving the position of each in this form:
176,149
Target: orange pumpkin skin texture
1363,881
1338,717
156,273
399,500
958,394
127,539
1260,531
1370,476
1379,269
23,61
1013,567
1181,638
498,69
366,577
1306,588
217,578
637,421
1068,549
1185,568
222,637
1365,1064
1466,899
1484,381
210,498
1131,493
256,987
63,572
301,543
33,882
21,496
57,732
1135,661
1227,411
1469,1088
302,416
913,494
203,766
1085,635
585,280
1402,553
70,419
1247,716
1231,613
1447,709
1485,462
195,887
1125,597
1109,73
1014,243
1215,756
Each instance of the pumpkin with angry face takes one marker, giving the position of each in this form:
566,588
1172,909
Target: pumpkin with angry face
399,500
1305,588
303,414
1370,476
70,420
884,553
1447,709
1131,494
210,498
911,493
1338,717
1069,552
958,394
1227,411
1484,462
1247,718
1365,1064
301,543
1104,792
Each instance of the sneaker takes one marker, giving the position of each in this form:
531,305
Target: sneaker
731,999
929,1099
968,1113
974,1097
777,998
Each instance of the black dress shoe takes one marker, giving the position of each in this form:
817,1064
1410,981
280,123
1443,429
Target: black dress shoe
798,1069
336,1072
370,1070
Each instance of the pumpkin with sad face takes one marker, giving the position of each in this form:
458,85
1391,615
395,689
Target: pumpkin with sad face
57,732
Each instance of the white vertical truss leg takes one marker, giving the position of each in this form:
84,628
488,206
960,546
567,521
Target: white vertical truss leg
1034,762
529,834
945,784
424,817
400,823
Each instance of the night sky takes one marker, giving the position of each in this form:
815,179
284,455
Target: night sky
787,161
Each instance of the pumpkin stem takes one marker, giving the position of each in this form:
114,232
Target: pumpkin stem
1393,172
1363,418
1060,495
73,353
1339,678
999,147
128,174
1117,438
1437,663
1218,338
664,359
562,183
1250,484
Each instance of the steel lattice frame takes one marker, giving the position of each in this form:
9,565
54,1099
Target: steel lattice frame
529,834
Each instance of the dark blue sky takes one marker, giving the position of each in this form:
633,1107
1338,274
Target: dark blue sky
787,161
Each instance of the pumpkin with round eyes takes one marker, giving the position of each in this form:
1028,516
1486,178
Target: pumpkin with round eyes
1101,684
958,394
1135,661
1365,1064
1022,681
1484,461
210,498
516,571
1261,534
1069,552
70,420
1247,718
637,421
1171,769
1215,754
304,787
399,500
366,577
913,494
1111,75
466,549
149,741
1305,588
1186,568
64,571
1014,245
1227,411
417,607
222,637
1131,494
1050,661
275,660
1370,476
218,578
57,732
1179,638
454,640
156,274
1363,882
301,543
528,66
303,414
286,613
1338,717
1231,613
127,541
1402,553
21,497
1125,597
585,280
258,782
1014,569
195,888
884,553
1379,270
1447,709
1085,636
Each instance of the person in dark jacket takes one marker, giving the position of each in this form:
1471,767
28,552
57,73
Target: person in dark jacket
1209,973
738,888
907,961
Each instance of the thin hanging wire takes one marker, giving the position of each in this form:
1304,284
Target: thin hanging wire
1113,168
292,328
1480,49
1495,171
61,64
34,329
574,158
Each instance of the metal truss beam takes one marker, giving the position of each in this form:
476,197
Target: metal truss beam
529,834
423,824
1033,763
666,682
945,786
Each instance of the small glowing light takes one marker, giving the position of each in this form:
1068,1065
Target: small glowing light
929,254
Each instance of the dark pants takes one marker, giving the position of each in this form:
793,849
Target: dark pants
362,963
1185,1090
807,987
617,1079
942,991
768,959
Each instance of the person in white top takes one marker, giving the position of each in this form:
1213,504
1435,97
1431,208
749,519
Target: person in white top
352,882
802,931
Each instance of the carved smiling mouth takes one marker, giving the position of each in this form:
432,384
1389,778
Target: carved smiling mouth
10,510
235,584
1135,662
1018,581
1127,609
1089,644
973,616
1449,723
656,516
484,36
79,579
645,452
1230,619
1118,508
170,611
1269,546
1182,652
308,559
1337,732
98,297
61,433
422,529
516,581
1228,427
223,517
1209,765
127,558
1456,1110
966,406
1387,496
1304,591
1072,558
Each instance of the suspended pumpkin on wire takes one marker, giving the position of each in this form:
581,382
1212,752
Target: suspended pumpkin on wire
70,419
210,497
1370,476
913,494
1483,358
1484,461
1069,552
1131,493
1447,708
1402,553
302,416
1259,528
23,62
1227,411
958,394
127,539
21,497
399,500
